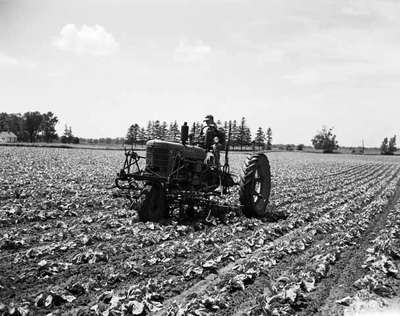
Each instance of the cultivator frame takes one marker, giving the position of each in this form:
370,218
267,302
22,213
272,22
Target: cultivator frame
130,180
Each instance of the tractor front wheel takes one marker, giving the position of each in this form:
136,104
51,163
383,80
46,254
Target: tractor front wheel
255,185
152,204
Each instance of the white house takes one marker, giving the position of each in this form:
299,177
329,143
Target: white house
8,137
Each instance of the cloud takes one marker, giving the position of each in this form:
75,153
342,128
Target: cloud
91,40
191,53
8,61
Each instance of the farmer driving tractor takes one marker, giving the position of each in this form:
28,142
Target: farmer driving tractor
213,138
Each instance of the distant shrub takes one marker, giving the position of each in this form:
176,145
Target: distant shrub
300,147
325,140
388,147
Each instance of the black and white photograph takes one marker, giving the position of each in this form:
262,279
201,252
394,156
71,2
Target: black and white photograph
209,157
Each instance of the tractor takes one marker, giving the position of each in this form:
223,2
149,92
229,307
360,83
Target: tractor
190,175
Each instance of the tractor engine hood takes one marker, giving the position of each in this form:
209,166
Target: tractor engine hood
160,155
187,151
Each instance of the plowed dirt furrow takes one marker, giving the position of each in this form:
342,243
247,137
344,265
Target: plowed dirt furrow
340,268
377,289
341,278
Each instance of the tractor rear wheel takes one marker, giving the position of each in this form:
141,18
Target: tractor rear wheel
152,204
255,185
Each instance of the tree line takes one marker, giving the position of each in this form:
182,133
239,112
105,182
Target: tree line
241,135
30,126
35,127
40,127
326,140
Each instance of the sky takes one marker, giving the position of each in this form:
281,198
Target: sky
292,65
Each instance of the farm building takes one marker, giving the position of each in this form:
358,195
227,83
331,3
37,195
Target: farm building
8,137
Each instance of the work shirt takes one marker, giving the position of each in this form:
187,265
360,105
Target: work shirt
211,131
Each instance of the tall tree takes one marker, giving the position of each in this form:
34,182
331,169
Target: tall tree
392,144
69,138
235,134
269,138
242,132
388,146
48,126
174,132
385,146
164,130
141,139
157,129
68,132
260,138
32,124
132,135
4,122
149,130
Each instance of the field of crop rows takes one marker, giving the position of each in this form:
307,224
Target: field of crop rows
69,244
